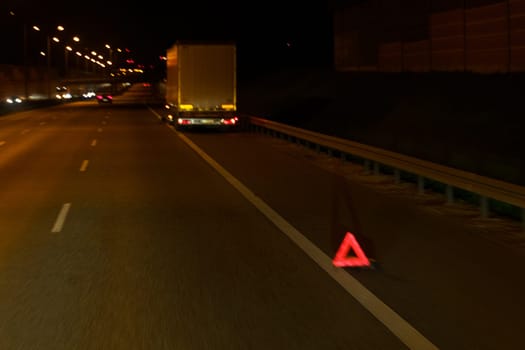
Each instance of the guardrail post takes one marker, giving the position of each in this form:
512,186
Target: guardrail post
450,194
376,168
523,219
367,166
484,204
310,142
420,184
397,176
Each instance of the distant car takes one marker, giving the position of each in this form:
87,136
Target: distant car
13,100
104,98
64,96
89,95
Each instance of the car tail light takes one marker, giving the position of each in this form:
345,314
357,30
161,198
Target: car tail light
230,121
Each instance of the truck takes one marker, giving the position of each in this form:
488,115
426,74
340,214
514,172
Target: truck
201,85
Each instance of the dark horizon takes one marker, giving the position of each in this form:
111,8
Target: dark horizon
263,33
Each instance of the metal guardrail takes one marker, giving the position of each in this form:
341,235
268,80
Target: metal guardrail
373,158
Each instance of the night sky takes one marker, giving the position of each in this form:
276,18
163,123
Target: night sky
299,32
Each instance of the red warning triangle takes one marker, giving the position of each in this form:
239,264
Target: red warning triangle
342,259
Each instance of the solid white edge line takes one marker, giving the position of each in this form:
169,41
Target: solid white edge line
395,323
61,218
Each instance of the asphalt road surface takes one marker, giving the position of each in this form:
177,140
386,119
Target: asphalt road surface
118,232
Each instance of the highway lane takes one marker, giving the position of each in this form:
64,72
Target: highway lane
116,235
446,277
162,248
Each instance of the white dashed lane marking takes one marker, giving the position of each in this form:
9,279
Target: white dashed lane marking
61,218
84,165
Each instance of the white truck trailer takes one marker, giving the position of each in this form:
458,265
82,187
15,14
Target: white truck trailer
201,85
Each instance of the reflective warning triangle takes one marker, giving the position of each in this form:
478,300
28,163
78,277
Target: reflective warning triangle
342,259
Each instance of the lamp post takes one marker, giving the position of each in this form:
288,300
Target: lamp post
48,54
67,49
48,75
79,55
14,15
26,68
110,52
109,61
116,60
